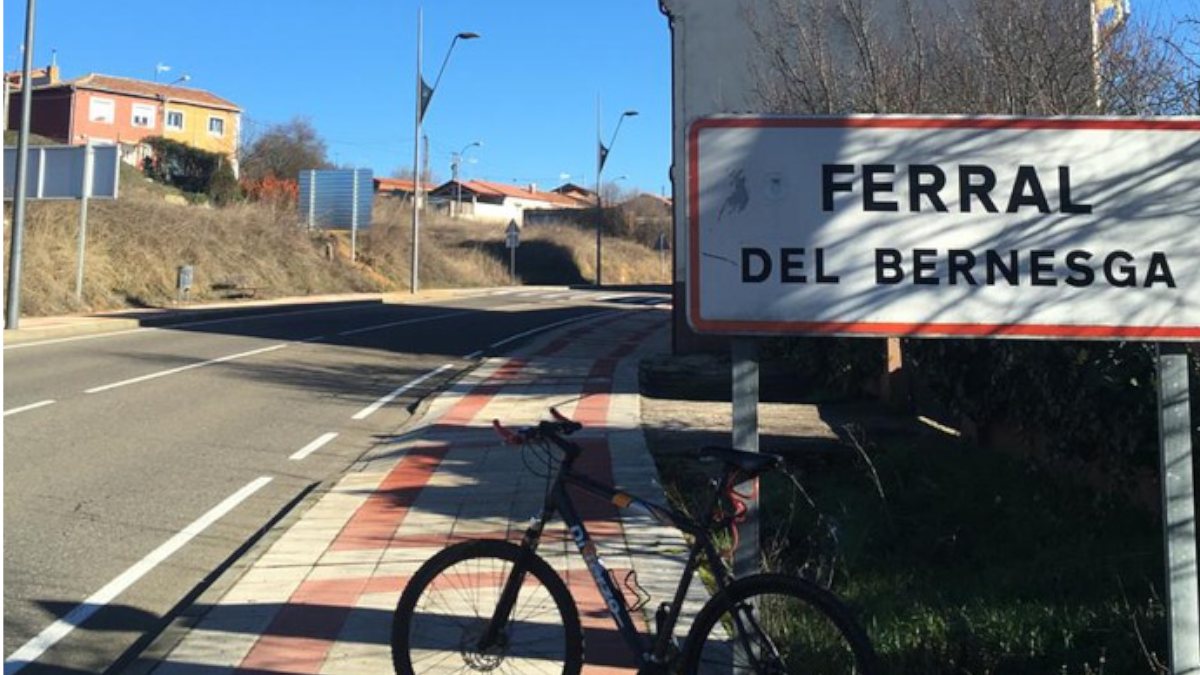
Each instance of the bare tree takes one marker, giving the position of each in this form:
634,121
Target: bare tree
282,151
1155,71
1036,57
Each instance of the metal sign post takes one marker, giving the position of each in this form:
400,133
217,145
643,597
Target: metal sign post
354,218
1179,506
661,246
512,239
84,192
747,557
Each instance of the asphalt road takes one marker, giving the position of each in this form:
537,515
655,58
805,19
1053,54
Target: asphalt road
139,465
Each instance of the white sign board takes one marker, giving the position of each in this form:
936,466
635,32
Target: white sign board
950,226
56,172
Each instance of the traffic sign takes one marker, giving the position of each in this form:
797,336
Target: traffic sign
512,235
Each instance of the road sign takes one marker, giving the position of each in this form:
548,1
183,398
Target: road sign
57,172
984,227
512,239
512,235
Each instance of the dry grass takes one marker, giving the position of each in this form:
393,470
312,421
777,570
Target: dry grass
136,244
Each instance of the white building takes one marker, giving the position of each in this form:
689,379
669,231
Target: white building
486,201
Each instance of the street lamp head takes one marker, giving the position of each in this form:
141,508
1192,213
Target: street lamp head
467,36
629,113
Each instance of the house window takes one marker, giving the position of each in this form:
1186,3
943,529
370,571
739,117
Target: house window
216,126
101,110
175,120
143,115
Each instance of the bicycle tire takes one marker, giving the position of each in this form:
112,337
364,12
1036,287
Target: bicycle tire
812,631
470,575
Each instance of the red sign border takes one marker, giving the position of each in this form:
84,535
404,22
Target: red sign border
1024,330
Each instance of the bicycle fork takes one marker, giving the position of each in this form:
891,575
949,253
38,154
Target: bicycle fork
512,586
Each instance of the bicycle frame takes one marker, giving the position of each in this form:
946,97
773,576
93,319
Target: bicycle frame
558,500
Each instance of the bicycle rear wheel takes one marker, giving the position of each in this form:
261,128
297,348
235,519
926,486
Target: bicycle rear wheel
449,602
776,624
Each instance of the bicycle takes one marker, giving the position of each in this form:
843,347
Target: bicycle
493,605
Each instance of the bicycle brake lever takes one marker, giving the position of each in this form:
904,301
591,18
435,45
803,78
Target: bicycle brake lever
510,438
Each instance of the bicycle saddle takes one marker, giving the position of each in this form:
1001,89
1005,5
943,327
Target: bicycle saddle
750,463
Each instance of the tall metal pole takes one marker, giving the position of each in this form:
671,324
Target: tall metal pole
599,205
83,210
457,187
414,281
13,309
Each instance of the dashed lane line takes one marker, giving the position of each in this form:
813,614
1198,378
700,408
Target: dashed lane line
317,444
31,406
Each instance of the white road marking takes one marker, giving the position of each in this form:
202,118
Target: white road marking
362,414
314,446
32,650
548,326
191,366
404,322
31,406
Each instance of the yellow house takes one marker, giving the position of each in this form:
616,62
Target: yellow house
213,125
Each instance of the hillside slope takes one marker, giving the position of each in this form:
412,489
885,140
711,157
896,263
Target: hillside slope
136,244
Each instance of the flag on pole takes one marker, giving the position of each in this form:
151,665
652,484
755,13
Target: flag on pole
603,155
426,96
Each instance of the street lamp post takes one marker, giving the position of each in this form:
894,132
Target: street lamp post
601,156
12,311
454,167
424,96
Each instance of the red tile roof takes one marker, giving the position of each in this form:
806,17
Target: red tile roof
124,85
484,187
394,185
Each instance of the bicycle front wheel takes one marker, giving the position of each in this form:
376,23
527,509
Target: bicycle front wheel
776,624
447,606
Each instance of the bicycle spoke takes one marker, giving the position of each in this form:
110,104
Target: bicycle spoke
452,613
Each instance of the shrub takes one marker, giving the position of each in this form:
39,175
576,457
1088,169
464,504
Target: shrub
192,170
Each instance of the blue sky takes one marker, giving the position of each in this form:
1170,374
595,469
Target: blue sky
527,89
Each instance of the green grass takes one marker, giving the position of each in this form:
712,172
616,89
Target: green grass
970,562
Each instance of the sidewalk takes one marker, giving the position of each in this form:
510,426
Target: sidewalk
319,599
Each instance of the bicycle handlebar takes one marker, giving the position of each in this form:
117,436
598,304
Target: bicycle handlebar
545,430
